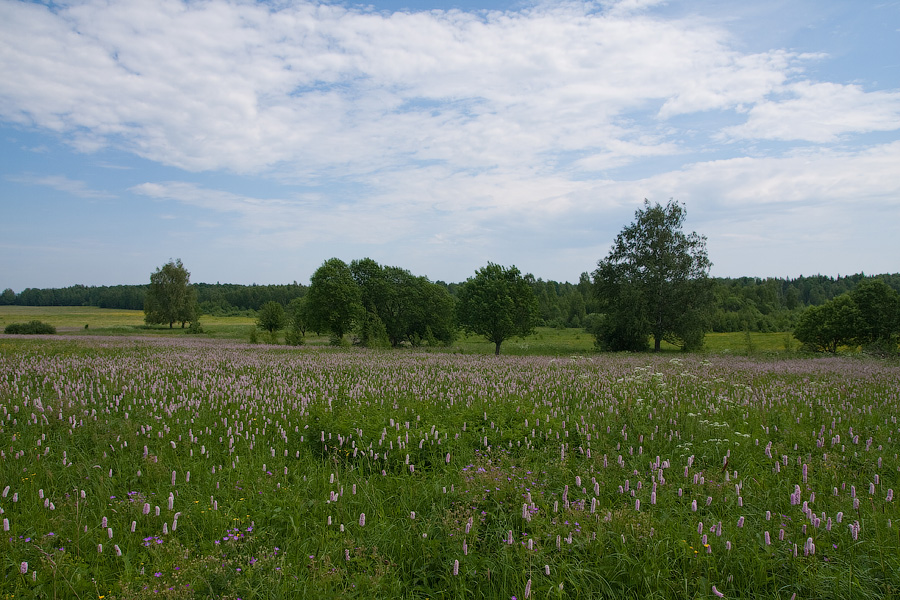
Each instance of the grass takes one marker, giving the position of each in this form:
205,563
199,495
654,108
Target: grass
546,341
178,467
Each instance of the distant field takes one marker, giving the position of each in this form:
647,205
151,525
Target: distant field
546,340
110,321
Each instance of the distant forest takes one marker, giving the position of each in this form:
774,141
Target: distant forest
744,303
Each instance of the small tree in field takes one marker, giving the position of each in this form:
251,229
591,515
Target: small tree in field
170,297
498,303
271,318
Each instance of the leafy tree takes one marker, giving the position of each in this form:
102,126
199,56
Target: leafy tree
879,314
8,297
826,327
436,316
498,303
170,297
333,302
654,282
271,317
297,317
372,332
405,307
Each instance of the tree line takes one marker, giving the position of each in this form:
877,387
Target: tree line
740,304
652,286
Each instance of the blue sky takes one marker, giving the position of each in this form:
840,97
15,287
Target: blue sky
255,140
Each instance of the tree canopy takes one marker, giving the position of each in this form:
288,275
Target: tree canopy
654,283
829,326
271,317
402,306
879,311
333,302
868,316
498,303
170,297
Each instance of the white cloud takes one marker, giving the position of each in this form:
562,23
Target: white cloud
820,112
313,89
63,184
288,223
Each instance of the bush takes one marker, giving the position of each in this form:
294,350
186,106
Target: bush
30,328
294,337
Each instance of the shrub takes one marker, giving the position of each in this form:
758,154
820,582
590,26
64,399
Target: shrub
30,328
294,337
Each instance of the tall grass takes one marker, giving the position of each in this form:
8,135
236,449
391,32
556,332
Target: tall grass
184,468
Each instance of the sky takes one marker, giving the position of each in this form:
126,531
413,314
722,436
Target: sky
255,140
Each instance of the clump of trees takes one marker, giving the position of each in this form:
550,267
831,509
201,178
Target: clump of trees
30,328
868,316
170,298
381,305
498,303
654,283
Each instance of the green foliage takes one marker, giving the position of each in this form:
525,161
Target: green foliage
334,301
372,332
879,312
411,309
170,297
293,337
498,303
30,328
827,327
297,315
297,319
654,282
194,328
869,316
271,317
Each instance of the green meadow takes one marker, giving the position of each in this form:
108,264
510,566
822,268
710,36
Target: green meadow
89,320
173,466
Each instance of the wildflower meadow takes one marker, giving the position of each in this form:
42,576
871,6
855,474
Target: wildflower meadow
174,468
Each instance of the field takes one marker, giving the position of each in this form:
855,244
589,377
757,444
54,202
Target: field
176,467
89,320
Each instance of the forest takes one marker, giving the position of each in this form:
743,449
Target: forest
741,304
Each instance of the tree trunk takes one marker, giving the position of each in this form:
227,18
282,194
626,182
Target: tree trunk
497,348
657,341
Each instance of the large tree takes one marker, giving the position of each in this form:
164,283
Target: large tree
829,326
498,303
879,312
654,283
405,307
333,302
170,297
